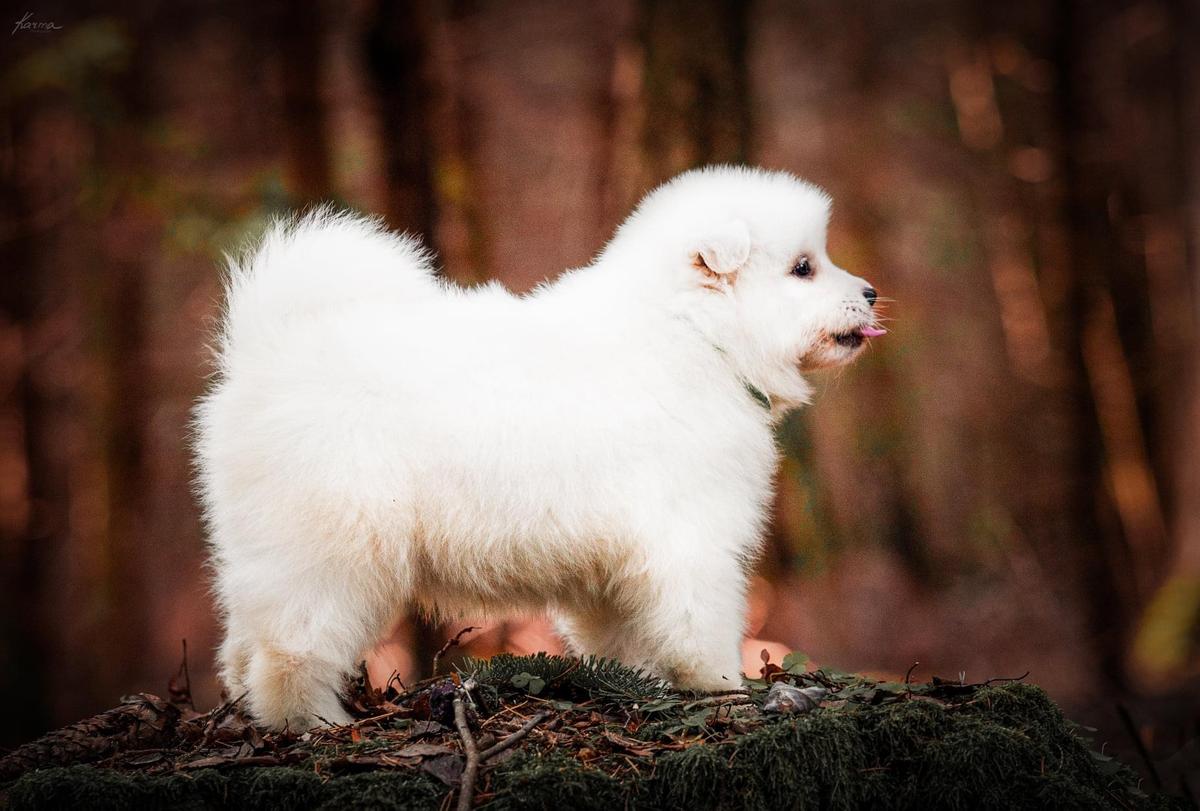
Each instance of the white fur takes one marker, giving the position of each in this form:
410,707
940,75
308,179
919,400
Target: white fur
378,439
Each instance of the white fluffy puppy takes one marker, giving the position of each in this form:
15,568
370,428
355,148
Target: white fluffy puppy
378,439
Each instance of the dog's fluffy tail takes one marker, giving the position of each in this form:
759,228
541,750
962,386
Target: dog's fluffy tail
322,261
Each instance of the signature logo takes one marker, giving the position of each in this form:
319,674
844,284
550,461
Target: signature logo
28,23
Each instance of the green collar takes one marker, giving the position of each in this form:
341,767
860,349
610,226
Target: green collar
754,391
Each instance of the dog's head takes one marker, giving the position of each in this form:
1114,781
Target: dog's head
748,248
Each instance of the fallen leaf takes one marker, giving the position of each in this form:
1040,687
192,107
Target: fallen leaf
206,762
424,750
447,768
145,759
418,729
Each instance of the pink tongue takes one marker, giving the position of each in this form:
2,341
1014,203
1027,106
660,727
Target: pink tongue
873,332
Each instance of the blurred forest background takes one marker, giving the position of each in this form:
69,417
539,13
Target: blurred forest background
1007,482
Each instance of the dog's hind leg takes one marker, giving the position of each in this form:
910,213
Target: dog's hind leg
300,661
233,657
305,633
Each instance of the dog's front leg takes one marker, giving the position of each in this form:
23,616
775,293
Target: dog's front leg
692,618
681,620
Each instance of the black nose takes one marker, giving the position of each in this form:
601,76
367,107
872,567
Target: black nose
870,295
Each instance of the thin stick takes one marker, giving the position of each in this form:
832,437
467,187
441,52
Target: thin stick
217,716
506,711
467,787
187,678
1006,678
395,677
500,746
450,643
907,679
374,718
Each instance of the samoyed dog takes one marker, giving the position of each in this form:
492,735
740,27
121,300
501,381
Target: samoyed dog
378,439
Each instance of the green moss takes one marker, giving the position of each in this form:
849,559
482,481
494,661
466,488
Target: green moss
687,779
1009,748
552,782
273,789
253,789
82,787
384,791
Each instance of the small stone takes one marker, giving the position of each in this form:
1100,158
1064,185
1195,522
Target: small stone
785,699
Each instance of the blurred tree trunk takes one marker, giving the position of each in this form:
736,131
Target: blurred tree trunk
1118,200
1168,640
32,482
397,60
462,227
1090,253
1097,530
78,292
696,85
299,31
75,293
117,301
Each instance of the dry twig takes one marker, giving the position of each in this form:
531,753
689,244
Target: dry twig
179,686
450,643
500,746
995,679
375,719
466,788
217,716
908,679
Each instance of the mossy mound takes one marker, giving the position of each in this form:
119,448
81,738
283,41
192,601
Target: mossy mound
270,788
871,746
1010,748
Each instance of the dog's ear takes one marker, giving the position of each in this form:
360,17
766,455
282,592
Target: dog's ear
722,253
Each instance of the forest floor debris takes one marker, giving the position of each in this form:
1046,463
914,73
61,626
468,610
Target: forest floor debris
539,731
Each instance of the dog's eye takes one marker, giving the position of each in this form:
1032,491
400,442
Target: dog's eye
803,268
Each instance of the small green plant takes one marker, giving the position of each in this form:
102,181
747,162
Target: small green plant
528,682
